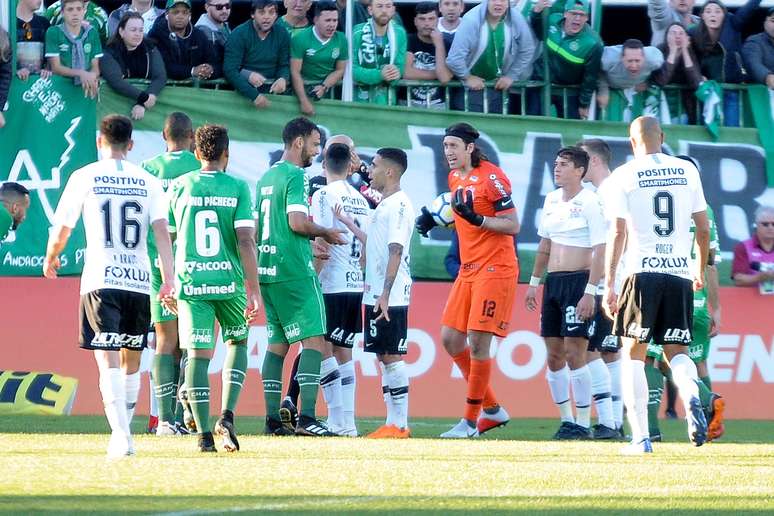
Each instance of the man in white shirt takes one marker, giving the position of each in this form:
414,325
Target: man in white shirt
652,201
119,202
451,15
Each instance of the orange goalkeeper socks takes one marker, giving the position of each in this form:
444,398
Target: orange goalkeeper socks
478,383
462,359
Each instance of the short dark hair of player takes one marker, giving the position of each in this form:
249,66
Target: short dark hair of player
116,130
300,127
12,192
468,134
211,141
632,43
261,4
338,159
178,126
321,7
396,156
578,156
426,7
598,148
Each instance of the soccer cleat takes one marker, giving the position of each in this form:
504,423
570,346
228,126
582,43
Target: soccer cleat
382,432
311,427
181,429
276,428
403,434
224,427
697,423
656,438
580,433
639,448
119,446
488,422
566,431
288,414
715,427
166,429
207,443
602,432
461,430
153,423
347,432
188,419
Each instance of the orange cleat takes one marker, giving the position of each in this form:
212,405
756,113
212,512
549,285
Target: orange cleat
715,427
383,432
402,434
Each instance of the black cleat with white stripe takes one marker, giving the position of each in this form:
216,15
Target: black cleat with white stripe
225,429
309,426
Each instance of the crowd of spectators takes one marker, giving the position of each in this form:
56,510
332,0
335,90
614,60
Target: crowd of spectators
489,50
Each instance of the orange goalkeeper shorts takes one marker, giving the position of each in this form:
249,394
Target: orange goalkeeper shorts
481,304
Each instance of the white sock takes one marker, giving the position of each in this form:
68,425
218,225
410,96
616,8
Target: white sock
634,386
581,391
600,392
348,384
330,381
397,380
387,398
559,385
154,406
111,386
132,386
615,390
685,376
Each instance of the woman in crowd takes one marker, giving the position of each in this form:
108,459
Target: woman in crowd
680,68
129,55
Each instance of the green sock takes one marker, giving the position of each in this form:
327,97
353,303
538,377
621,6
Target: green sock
705,391
272,383
655,390
180,366
233,376
309,380
164,385
198,384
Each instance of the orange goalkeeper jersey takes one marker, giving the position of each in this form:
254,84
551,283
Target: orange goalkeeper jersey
485,253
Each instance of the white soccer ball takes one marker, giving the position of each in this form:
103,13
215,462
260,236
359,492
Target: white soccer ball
441,210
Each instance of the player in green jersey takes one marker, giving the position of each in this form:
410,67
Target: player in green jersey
14,203
211,215
176,161
291,292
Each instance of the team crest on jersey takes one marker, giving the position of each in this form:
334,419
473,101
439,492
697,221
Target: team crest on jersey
574,45
87,48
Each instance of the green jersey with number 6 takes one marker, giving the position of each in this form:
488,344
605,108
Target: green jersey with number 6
283,255
205,210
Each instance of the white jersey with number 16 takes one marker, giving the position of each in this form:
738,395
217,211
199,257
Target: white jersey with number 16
657,195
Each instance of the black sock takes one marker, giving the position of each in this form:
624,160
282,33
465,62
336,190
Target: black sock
293,389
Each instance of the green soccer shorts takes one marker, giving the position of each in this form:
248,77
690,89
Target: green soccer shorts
196,321
159,312
295,310
699,348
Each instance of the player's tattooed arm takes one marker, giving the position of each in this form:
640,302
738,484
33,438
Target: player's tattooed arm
393,264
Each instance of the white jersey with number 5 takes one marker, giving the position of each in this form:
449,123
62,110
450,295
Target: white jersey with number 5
341,272
391,223
657,195
119,201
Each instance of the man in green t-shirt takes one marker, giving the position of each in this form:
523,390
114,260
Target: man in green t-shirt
176,161
73,50
318,54
211,215
14,203
296,17
291,292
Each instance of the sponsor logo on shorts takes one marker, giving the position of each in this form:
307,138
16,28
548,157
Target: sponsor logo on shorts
267,271
208,266
235,332
635,331
205,290
664,262
402,346
291,330
109,339
199,336
677,335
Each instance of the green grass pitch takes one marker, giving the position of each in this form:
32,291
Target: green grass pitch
57,465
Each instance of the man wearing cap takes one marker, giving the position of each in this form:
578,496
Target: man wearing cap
574,53
186,50
147,10
758,53
257,58
663,13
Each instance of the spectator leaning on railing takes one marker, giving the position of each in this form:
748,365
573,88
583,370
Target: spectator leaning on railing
451,15
30,39
128,55
147,10
663,13
627,67
257,58
680,68
573,50
493,43
94,17
426,58
318,54
214,23
185,49
5,72
758,53
717,40
297,16
754,258
379,53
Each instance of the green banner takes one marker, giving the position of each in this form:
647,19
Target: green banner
49,133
